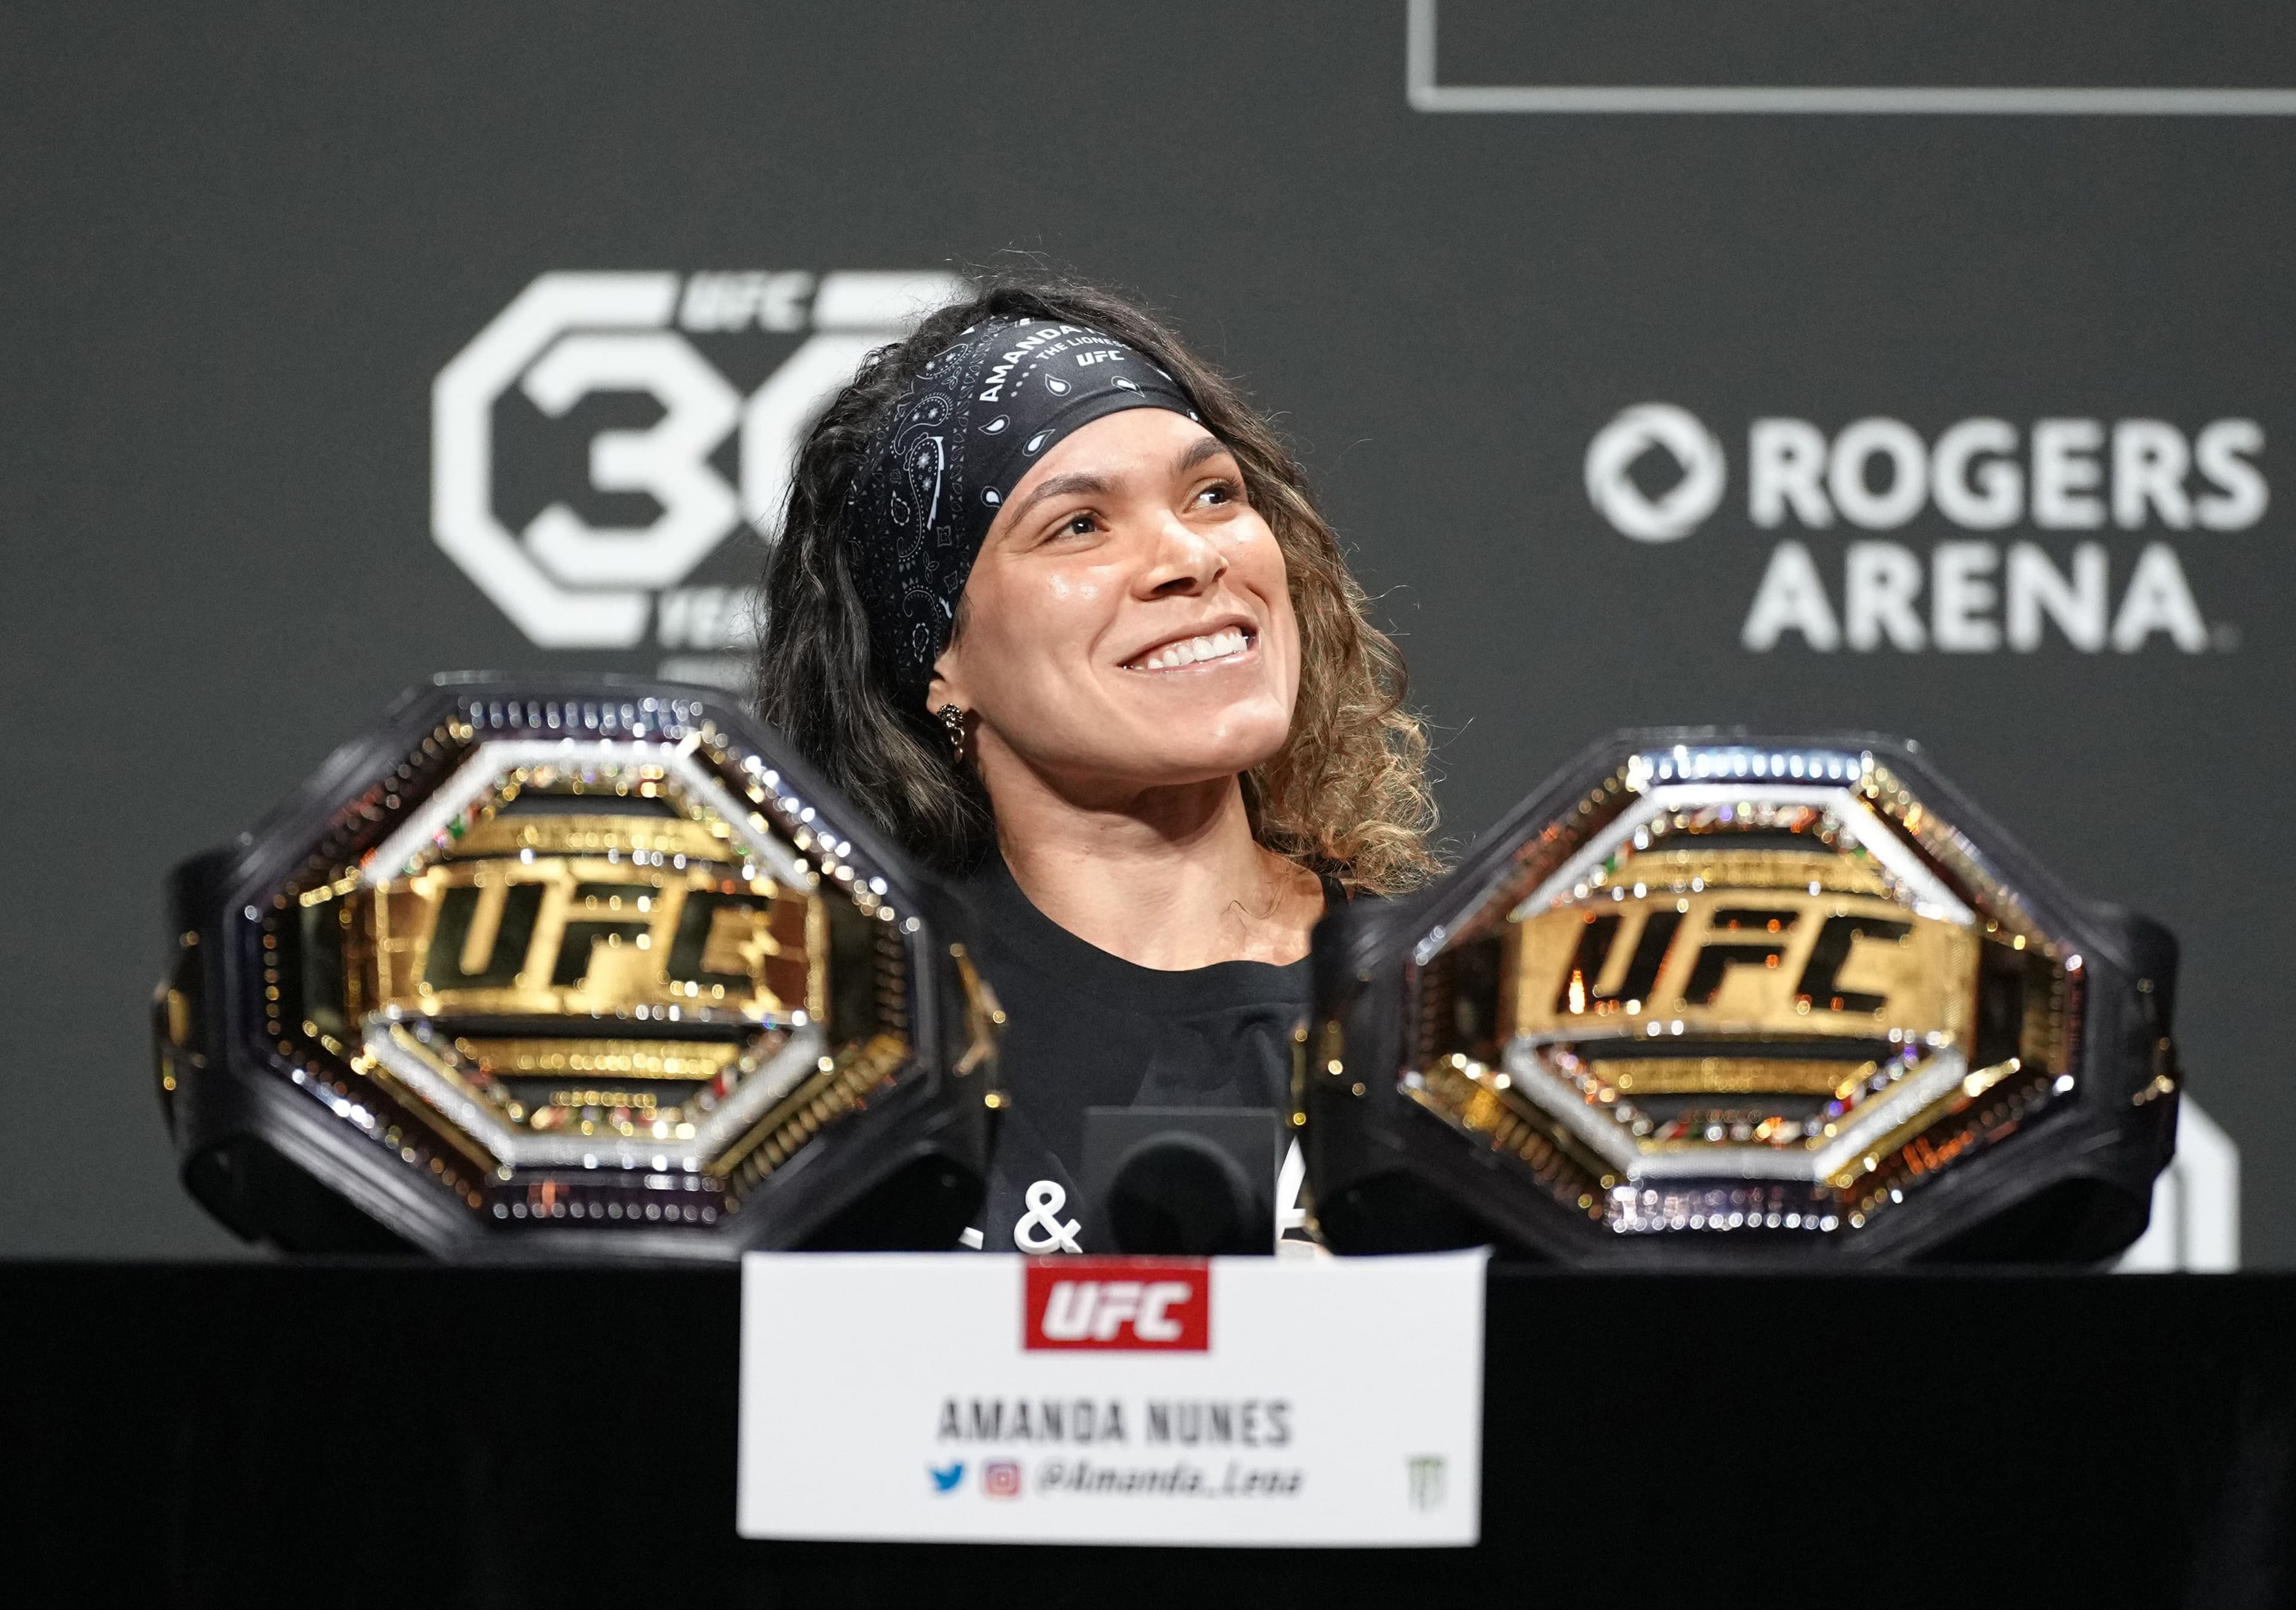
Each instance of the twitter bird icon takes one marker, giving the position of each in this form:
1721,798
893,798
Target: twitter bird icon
945,1479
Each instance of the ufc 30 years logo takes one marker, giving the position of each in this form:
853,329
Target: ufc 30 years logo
1135,1303
573,582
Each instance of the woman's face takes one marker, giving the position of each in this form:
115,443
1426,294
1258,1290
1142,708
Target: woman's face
1127,623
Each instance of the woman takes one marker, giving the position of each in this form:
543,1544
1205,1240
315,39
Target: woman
1053,605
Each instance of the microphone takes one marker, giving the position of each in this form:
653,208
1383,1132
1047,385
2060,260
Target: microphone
1193,1182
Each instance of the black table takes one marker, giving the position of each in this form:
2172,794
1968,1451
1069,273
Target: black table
356,1434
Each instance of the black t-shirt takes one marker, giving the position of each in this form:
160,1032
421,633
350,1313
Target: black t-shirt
1086,1028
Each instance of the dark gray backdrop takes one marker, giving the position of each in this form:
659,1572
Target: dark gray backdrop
238,243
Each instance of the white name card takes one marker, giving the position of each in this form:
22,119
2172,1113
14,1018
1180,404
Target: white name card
1237,1400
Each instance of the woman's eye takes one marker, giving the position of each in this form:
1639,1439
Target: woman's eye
1218,492
1077,525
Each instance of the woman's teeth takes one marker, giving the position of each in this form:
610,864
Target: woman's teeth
1212,645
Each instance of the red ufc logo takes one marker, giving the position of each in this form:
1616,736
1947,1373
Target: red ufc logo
1163,1304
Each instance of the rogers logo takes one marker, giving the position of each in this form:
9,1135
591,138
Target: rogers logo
1158,1304
2102,504
1683,508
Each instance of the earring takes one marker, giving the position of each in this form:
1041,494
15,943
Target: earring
953,718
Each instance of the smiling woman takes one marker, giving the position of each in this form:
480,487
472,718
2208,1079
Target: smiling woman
1053,604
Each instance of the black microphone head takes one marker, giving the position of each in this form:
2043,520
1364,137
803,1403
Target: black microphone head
1179,1194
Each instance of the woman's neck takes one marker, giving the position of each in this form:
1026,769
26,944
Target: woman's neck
1166,877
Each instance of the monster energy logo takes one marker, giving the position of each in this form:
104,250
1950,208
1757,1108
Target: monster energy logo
1425,1473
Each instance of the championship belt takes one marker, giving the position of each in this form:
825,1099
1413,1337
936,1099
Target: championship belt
573,966
1709,1000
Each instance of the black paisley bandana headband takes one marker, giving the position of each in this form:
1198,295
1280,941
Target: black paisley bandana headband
979,413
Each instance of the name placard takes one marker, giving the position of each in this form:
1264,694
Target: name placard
1239,1402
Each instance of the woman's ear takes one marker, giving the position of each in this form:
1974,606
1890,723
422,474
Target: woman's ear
947,685
945,699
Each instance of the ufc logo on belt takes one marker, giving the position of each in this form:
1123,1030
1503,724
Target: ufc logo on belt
1733,962
1141,1303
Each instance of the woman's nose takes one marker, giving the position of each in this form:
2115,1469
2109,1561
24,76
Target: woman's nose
1185,561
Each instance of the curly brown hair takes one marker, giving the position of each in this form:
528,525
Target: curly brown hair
1347,795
